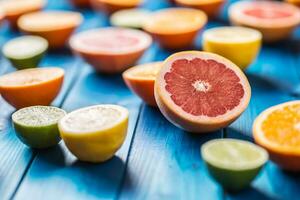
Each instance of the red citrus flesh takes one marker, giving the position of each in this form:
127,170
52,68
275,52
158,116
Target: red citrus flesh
200,91
276,20
111,49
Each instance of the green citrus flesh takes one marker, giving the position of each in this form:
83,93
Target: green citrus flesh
36,126
233,163
130,18
25,51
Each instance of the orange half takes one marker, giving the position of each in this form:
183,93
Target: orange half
176,28
15,8
29,87
140,80
278,130
110,6
55,26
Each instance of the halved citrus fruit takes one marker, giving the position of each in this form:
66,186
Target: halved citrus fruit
110,6
1,16
210,7
81,3
36,126
294,2
111,50
140,79
95,133
176,28
14,9
233,163
55,26
277,130
29,87
25,51
238,44
275,20
130,18
200,91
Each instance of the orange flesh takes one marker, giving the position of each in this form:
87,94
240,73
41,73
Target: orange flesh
283,126
267,13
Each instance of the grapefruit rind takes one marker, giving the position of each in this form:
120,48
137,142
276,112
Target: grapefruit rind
190,122
91,138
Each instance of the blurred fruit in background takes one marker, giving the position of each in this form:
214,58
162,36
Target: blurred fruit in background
110,6
176,28
55,26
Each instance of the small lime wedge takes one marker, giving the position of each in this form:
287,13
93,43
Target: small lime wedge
233,163
25,51
130,18
36,126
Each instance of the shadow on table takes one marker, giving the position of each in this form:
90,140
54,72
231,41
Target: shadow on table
249,193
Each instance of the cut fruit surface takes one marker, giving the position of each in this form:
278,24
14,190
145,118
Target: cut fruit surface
238,44
54,26
140,79
25,51
131,18
13,9
277,130
28,87
176,35
200,91
210,7
36,126
111,50
95,133
233,163
276,20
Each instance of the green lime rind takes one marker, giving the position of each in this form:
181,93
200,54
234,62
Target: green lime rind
37,126
130,18
232,163
25,51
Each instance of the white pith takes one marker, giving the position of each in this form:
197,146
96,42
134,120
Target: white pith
166,97
201,86
76,43
259,135
227,143
236,13
94,118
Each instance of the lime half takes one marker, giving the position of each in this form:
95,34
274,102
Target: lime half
25,51
233,163
94,133
36,126
130,18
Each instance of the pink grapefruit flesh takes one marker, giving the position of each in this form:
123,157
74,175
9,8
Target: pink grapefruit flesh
200,91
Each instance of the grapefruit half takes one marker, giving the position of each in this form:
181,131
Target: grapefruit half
175,28
210,7
110,6
275,20
200,91
55,26
140,79
14,9
111,50
30,87
277,129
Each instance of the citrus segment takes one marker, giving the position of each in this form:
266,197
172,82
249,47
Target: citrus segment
131,18
55,26
28,87
276,20
277,130
95,133
140,79
233,163
200,91
238,44
176,35
25,51
14,9
36,126
210,7
111,50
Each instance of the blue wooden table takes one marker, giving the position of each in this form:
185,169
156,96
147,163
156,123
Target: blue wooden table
158,160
